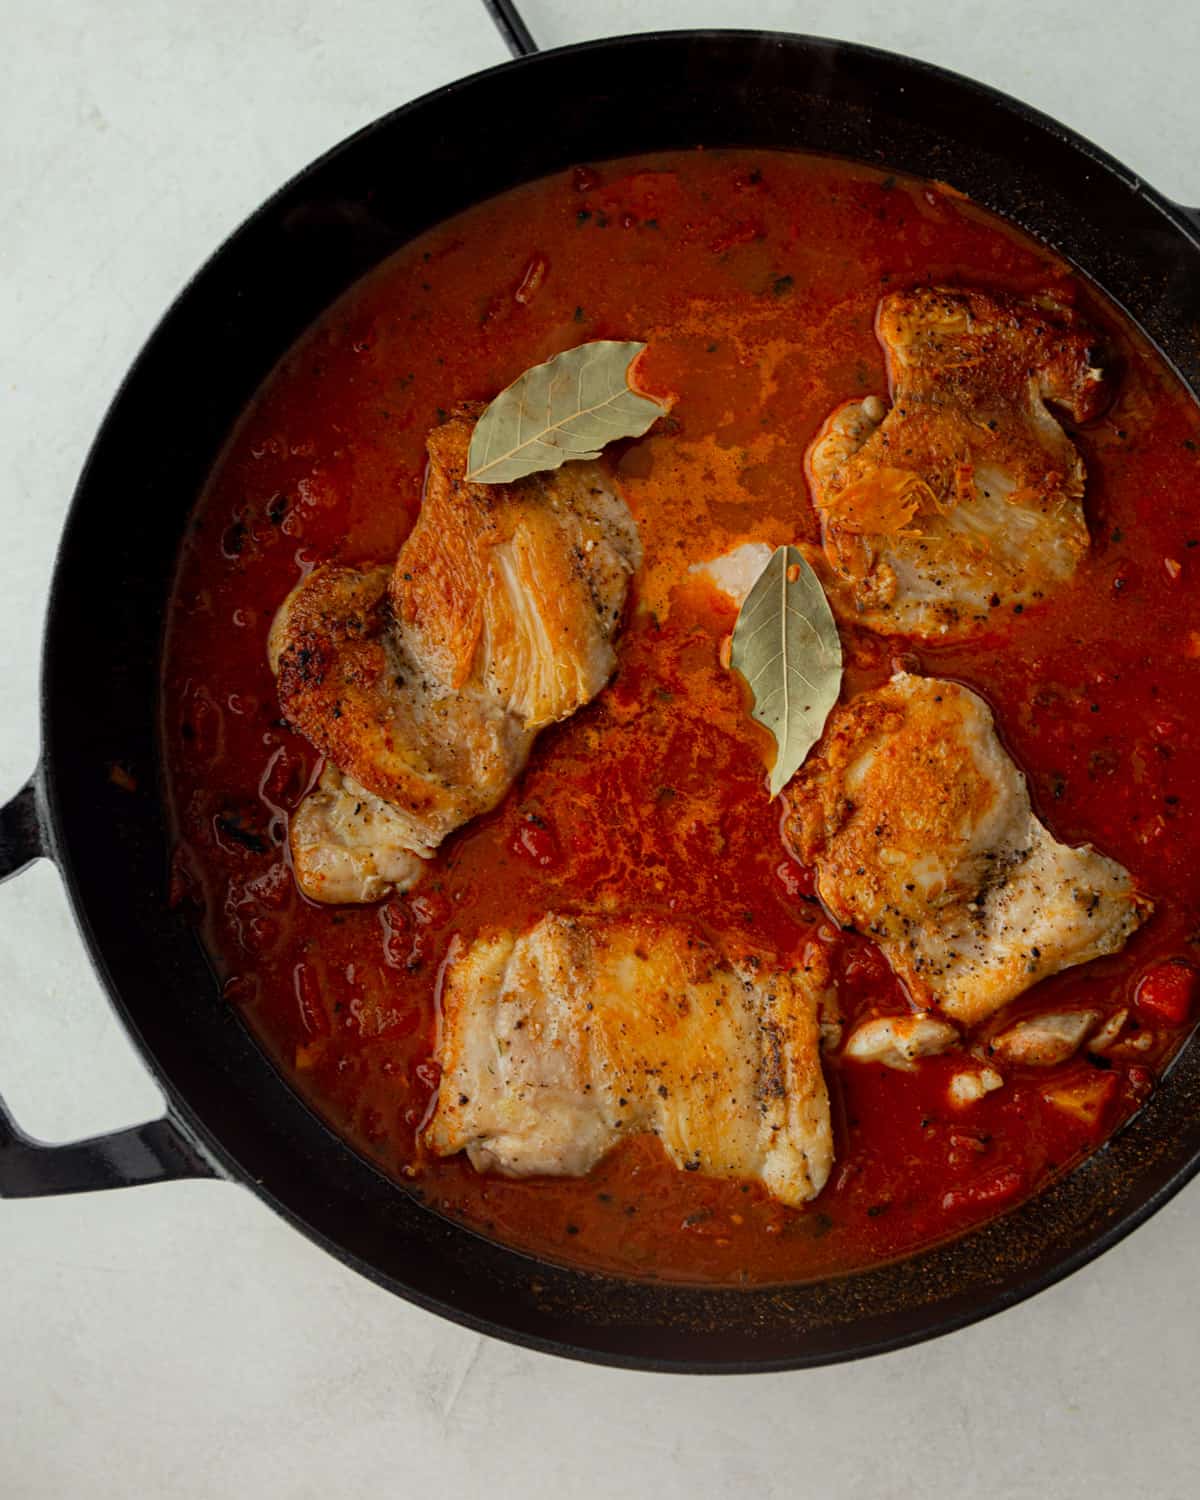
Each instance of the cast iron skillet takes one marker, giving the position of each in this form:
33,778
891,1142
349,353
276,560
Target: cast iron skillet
230,1114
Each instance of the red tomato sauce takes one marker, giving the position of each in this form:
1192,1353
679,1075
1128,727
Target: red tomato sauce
754,279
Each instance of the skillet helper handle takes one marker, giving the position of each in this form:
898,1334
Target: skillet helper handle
158,1151
21,835
154,1152
511,25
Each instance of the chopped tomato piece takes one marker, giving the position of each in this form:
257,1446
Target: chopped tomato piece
866,968
309,1054
241,989
795,879
184,888
307,985
1087,1100
1165,994
535,841
273,888
1139,1083
741,233
426,1077
396,922
430,908
428,1074
535,274
986,1192
284,779
409,928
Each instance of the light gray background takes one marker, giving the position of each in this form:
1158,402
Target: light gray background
180,1340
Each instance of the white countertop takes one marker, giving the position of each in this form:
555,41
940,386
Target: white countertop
181,1341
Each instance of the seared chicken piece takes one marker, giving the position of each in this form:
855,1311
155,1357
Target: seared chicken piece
515,590
425,684
1043,1041
1106,1035
897,1041
921,832
966,496
348,846
586,1030
972,1085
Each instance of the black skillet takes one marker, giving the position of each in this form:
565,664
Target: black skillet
230,1114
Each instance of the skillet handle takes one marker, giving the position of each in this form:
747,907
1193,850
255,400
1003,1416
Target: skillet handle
22,831
158,1151
154,1152
511,25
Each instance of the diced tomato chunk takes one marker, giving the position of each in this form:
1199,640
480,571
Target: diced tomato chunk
740,233
531,280
1166,993
430,908
584,179
986,1192
241,989
313,1015
1086,1100
284,778
428,1074
273,888
201,726
533,840
184,888
398,942
796,881
866,968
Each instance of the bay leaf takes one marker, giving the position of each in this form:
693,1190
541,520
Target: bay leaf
786,645
567,408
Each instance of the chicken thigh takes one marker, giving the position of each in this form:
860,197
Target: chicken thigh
348,846
426,683
557,1044
965,497
922,836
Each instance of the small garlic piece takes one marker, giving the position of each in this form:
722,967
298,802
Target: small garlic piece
1042,1041
896,1041
1109,1032
968,1088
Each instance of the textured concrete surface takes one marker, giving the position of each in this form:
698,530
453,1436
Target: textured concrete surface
180,1341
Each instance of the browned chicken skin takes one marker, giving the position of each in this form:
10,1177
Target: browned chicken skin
922,835
426,683
965,496
557,1043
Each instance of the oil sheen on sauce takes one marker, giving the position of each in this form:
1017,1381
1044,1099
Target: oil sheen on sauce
754,278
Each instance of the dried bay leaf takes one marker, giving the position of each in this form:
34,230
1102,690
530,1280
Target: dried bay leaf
567,408
786,646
